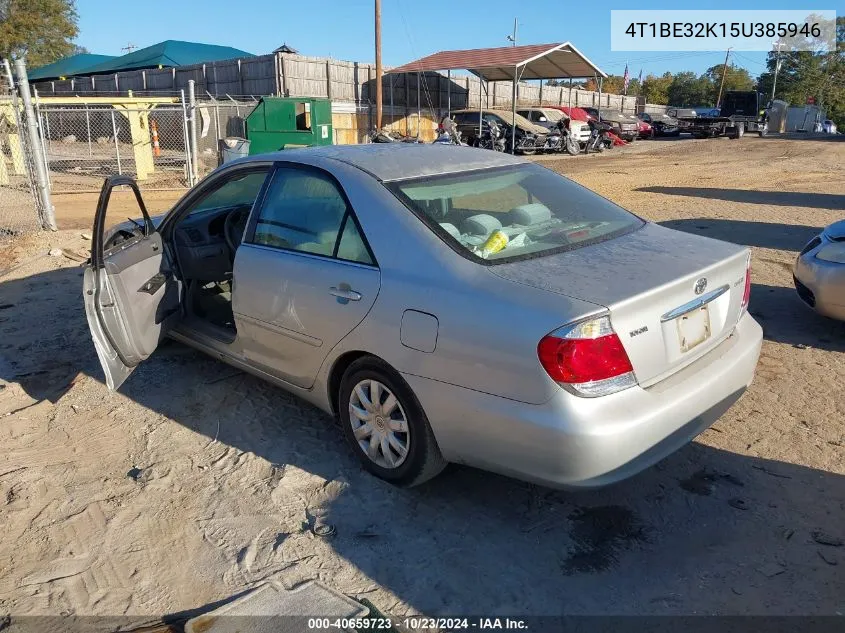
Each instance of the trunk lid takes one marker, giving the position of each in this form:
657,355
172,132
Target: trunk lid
650,281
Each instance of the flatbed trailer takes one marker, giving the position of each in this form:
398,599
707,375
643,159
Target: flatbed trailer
741,113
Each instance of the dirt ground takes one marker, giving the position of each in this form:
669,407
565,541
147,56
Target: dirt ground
196,482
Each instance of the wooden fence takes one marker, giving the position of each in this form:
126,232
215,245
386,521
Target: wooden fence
412,100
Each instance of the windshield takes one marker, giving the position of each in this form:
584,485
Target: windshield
552,115
513,212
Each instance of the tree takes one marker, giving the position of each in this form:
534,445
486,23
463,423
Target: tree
688,90
41,31
656,89
805,74
736,78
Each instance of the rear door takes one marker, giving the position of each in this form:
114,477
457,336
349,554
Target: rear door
304,275
132,298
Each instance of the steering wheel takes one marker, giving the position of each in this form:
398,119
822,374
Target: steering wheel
233,230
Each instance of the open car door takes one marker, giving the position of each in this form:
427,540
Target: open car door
131,296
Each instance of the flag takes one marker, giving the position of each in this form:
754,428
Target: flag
625,80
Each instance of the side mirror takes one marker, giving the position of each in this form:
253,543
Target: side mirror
542,119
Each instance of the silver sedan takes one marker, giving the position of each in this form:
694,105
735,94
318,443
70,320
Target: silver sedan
446,304
819,272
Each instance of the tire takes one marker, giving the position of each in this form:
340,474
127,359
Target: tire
572,147
422,459
764,131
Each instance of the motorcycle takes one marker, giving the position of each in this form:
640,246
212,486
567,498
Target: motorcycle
448,133
386,136
600,139
492,137
555,141
568,143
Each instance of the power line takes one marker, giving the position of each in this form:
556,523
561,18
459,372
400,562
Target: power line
748,59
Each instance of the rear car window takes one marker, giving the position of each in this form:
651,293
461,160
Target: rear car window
510,213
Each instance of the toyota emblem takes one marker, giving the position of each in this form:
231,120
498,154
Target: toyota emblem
700,286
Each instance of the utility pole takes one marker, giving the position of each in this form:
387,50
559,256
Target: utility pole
378,65
722,83
129,47
512,38
777,70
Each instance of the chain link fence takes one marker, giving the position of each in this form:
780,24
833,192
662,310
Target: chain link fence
216,120
19,207
84,144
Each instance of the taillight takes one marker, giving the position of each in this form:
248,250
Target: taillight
587,358
746,294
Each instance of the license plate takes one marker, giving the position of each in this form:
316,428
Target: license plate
693,328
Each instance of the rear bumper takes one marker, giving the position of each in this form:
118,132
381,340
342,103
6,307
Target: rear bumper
589,442
821,285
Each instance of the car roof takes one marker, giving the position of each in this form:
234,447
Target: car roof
397,161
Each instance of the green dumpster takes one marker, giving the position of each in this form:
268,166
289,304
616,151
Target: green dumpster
286,122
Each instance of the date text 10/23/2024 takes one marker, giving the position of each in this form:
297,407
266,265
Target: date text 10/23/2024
418,623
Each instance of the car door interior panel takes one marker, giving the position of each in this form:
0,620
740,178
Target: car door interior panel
126,292
132,296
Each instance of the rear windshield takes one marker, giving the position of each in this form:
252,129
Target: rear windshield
512,213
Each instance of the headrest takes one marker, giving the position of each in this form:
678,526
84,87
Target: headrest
481,224
532,213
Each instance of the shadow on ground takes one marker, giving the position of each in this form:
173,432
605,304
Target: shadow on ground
786,237
705,531
787,319
749,196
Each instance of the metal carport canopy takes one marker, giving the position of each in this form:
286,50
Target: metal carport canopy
534,61
510,63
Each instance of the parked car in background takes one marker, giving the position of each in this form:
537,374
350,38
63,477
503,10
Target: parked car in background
625,126
530,137
662,124
576,114
819,272
593,113
578,128
646,131
444,303
677,113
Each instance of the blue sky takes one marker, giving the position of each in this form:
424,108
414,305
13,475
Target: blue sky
411,28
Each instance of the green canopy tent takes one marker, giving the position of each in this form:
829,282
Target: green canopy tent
165,55
67,67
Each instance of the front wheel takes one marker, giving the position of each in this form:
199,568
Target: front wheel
385,424
764,131
572,147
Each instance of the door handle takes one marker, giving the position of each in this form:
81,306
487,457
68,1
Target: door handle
345,293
